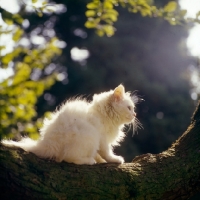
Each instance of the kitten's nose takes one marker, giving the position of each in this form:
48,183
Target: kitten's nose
134,114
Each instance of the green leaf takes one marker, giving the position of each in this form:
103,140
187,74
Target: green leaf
34,1
132,3
100,32
107,5
90,13
7,17
109,30
145,12
28,59
7,58
2,47
113,12
109,16
39,11
93,5
170,7
197,15
22,73
17,35
90,24
18,19
183,13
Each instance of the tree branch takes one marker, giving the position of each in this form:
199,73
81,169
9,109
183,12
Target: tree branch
172,174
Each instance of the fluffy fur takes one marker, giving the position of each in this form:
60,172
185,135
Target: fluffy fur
84,133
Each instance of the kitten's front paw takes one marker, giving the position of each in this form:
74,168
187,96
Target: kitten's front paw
116,159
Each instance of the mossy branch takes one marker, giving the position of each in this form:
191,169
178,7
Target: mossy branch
172,174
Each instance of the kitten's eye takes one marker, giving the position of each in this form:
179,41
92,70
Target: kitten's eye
129,107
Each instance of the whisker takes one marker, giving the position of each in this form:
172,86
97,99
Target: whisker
129,127
136,125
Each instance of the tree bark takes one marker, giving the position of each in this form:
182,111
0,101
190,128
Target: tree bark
172,174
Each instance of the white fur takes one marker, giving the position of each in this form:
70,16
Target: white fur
84,133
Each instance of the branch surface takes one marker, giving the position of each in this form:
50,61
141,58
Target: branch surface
172,174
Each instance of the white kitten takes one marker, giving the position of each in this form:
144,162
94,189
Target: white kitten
84,133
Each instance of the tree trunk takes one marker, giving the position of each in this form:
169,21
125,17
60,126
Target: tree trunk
172,174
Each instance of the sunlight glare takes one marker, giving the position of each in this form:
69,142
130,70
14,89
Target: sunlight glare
5,73
37,40
10,5
192,7
193,40
194,96
79,54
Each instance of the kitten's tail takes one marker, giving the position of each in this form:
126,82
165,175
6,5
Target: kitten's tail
41,148
26,143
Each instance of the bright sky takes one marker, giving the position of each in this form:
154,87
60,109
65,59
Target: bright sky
10,5
192,7
193,41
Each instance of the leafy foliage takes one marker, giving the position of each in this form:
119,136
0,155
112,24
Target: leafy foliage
19,92
101,15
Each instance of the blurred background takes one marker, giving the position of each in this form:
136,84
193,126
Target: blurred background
150,57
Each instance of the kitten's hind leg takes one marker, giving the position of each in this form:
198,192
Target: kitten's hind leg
81,150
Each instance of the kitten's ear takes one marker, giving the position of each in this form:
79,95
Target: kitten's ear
119,92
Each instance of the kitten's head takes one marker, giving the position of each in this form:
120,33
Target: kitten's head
123,105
